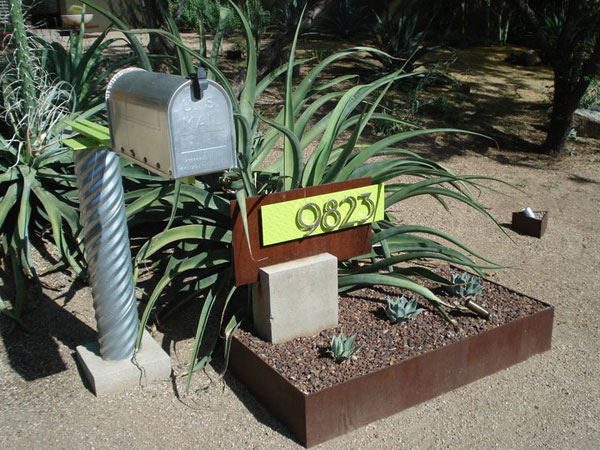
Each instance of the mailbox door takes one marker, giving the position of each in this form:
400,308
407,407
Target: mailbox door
137,107
202,131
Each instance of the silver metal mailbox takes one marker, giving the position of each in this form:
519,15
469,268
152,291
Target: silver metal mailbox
156,120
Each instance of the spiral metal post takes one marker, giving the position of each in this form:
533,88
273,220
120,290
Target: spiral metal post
106,241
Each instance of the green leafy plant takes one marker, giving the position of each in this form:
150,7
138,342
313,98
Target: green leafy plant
143,59
349,19
591,98
464,285
342,348
318,54
441,108
398,35
553,19
86,71
306,143
259,19
389,127
502,14
287,17
402,309
194,11
37,185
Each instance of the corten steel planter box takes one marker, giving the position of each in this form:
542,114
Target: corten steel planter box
319,416
528,225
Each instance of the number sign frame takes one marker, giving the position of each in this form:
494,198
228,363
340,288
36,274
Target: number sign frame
344,244
314,215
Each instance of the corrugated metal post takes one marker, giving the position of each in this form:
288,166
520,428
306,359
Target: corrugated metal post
106,241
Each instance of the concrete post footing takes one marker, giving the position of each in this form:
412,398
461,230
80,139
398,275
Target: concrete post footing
106,377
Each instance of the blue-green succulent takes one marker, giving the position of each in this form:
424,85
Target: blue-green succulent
341,347
464,285
402,309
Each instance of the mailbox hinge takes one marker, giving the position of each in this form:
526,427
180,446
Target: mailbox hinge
199,83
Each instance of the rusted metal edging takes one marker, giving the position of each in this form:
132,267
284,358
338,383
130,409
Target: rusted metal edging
316,417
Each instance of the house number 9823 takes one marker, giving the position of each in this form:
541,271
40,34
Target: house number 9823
329,217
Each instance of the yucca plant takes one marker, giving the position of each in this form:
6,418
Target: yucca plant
197,235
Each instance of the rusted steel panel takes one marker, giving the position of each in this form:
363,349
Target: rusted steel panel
529,225
337,410
274,391
317,417
343,244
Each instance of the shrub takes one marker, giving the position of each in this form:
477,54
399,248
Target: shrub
206,11
591,98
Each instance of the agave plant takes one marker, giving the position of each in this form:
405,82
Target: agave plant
342,348
402,309
398,36
288,16
349,19
197,239
464,285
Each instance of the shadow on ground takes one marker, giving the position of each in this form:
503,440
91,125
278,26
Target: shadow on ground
254,406
35,354
181,326
504,102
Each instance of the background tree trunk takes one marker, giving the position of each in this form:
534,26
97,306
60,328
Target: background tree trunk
561,119
575,58
275,54
146,14
158,45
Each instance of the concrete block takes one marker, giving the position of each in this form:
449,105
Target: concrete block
106,377
587,123
296,298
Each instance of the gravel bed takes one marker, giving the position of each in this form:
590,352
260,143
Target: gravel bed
306,364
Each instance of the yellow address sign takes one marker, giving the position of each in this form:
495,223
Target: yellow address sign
310,216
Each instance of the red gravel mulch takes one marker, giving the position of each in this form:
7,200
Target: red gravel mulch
305,363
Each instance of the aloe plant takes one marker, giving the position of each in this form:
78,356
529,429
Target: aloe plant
138,49
342,348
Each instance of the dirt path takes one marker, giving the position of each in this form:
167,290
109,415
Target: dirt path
549,401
